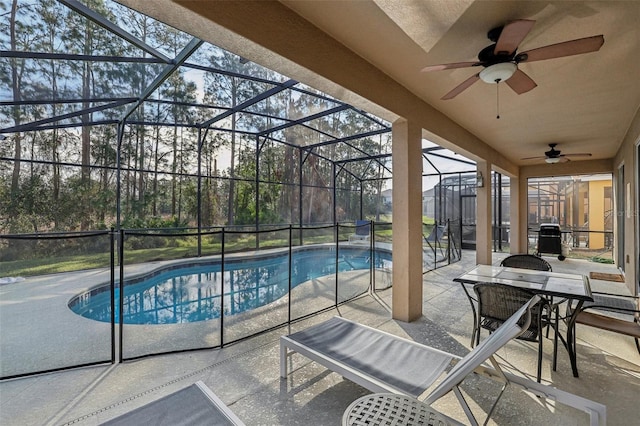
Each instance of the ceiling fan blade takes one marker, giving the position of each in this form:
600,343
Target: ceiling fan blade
449,66
567,48
512,35
577,154
563,157
461,87
559,159
521,82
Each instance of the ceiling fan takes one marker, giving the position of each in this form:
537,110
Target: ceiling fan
554,156
500,60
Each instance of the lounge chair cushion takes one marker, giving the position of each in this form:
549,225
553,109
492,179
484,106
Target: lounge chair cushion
376,354
193,406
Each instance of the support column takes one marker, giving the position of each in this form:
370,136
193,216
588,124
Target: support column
523,216
483,215
516,239
407,221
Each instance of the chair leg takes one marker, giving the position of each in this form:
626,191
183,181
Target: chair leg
637,321
477,330
465,406
555,340
551,312
539,377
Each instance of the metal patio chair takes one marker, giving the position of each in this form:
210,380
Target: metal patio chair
526,261
498,302
536,263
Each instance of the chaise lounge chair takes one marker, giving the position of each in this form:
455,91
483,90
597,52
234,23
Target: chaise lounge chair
363,232
382,362
195,405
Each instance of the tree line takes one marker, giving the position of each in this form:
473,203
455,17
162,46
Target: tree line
68,161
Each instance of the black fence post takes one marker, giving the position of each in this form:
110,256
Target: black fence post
337,239
448,242
121,293
112,278
372,255
290,272
222,289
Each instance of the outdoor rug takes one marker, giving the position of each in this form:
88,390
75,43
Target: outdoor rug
193,405
618,278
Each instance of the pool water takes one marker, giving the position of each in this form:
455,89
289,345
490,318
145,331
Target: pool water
191,293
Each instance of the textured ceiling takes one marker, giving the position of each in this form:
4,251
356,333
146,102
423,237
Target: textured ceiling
584,103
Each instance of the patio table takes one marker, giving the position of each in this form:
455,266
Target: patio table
393,409
574,287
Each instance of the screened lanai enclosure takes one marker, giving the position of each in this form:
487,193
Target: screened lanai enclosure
581,206
110,119
161,194
113,119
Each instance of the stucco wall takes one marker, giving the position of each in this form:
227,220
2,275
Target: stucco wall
627,157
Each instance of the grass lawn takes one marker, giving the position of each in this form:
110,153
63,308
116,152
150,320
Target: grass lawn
179,248
185,248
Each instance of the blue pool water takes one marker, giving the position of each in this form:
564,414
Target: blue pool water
191,293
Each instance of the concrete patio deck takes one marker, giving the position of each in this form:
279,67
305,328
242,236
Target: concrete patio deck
245,375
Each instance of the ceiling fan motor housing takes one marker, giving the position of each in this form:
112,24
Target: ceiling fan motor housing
552,153
488,57
498,66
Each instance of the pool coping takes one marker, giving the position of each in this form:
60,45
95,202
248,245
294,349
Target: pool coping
38,327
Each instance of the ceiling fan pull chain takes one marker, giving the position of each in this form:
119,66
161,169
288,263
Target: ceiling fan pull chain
497,99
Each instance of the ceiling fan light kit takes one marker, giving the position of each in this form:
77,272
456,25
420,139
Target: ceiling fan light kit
498,72
552,160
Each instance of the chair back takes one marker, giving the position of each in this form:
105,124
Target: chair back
498,303
526,261
510,329
363,227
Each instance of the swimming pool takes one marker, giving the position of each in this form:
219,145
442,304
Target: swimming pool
191,292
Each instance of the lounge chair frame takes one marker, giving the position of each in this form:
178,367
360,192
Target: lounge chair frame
217,402
472,363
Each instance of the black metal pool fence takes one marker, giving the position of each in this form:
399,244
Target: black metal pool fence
42,331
